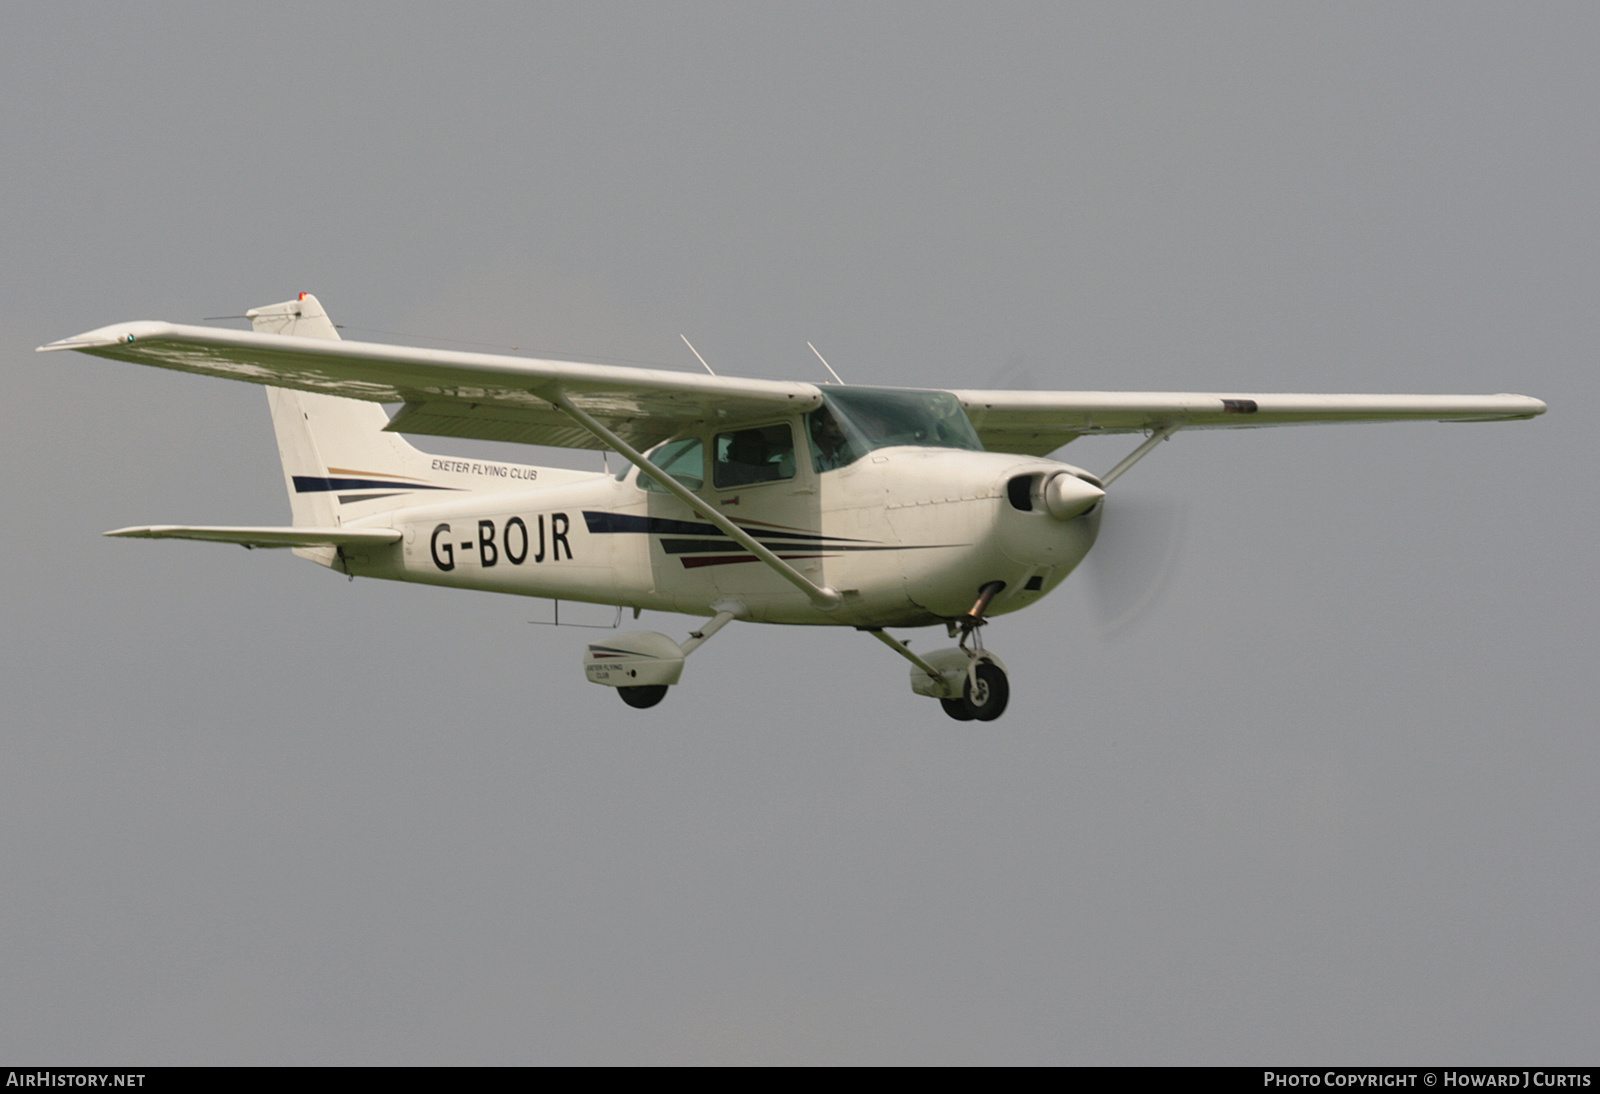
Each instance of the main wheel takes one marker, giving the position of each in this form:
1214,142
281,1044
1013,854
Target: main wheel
643,695
957,709
987,691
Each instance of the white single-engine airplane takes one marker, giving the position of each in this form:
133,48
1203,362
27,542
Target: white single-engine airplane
743,499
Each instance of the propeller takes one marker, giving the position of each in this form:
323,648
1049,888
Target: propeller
1131,566
1141,537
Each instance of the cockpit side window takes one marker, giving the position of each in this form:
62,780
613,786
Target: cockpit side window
830,445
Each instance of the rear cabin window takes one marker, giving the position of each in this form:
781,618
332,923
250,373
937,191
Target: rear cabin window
750,456
684,460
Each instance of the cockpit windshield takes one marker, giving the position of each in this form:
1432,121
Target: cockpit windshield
853,421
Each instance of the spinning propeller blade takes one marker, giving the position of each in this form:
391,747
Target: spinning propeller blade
1135,556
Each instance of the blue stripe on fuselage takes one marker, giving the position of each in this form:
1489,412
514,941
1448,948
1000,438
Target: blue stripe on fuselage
311,484
600,523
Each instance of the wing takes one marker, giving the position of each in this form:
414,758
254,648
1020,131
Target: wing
1038,422
494,397
478,395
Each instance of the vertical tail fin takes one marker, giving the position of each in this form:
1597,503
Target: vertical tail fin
336,457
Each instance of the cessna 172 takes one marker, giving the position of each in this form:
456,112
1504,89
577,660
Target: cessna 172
740,499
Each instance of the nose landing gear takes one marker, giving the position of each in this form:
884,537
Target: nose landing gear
985,689
969,681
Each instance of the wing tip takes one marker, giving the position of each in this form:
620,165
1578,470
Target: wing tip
104,337
75,343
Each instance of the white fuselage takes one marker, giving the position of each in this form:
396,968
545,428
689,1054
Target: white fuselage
907,535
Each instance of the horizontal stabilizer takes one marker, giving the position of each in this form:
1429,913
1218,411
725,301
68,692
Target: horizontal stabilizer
268,537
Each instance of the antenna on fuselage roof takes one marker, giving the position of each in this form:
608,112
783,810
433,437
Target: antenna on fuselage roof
696,352
827,366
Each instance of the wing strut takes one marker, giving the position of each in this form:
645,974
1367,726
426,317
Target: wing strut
1139,453
820,595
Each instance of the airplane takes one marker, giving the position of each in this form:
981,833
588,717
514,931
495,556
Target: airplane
739,499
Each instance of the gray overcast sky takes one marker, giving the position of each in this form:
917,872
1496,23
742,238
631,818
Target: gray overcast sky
1329,797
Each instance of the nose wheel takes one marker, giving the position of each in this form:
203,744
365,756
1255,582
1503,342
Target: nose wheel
983,696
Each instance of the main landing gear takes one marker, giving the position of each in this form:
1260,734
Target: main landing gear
969,681
642,665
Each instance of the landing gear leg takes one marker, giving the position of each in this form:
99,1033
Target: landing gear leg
986,690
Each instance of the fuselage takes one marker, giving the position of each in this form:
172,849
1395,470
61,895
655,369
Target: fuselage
907,534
